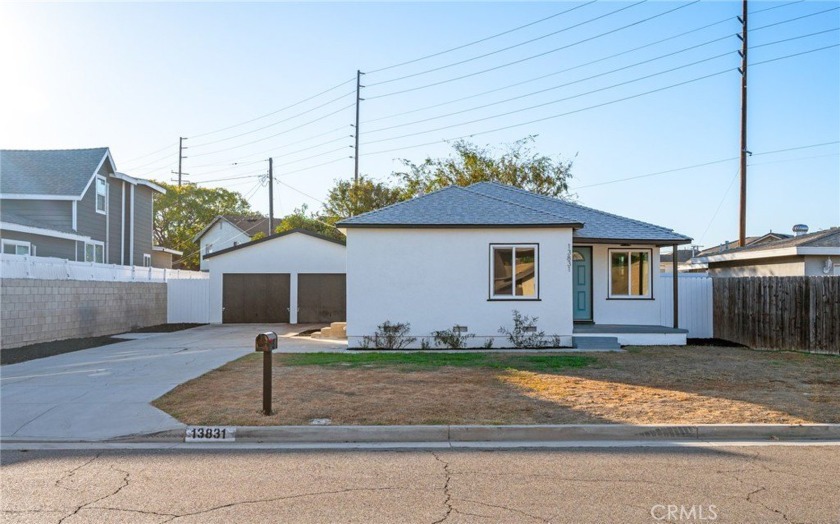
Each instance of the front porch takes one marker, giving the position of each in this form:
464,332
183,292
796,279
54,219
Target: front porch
633,335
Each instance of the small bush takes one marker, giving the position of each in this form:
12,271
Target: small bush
389,336
449,338
524,333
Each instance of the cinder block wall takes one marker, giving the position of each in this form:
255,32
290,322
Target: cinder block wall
33,311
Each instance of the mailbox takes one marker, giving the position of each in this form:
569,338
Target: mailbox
266,341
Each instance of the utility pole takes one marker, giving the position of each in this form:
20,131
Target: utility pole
181,157
356,134
270,196
744,152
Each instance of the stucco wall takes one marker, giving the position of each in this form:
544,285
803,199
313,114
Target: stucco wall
621,311
295,253
34,310
436,278
782,267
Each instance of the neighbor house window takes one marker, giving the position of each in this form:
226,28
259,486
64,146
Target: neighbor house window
147,260
18,247
630,273
101,194
513,271
95,252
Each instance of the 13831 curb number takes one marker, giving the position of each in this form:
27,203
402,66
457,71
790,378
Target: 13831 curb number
210,433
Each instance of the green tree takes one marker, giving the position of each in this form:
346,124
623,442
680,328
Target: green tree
517,165
347,199
184,211
301,218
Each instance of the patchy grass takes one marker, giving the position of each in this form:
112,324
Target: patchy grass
680,385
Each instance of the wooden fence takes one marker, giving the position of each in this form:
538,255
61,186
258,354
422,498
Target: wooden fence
796,313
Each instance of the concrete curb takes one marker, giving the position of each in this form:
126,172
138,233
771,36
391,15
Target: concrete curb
518,433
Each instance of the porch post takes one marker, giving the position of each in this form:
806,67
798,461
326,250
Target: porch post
674,270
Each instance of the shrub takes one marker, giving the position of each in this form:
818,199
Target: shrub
450,338
389,335
524,333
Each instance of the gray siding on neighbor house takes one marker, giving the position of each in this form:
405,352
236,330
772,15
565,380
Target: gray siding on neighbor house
143,200
53,214
46,246
115,191
88,221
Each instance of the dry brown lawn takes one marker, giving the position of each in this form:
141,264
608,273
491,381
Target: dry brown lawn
680,385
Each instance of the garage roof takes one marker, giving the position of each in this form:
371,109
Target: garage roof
275,237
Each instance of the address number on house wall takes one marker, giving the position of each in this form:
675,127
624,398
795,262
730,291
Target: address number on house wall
210,434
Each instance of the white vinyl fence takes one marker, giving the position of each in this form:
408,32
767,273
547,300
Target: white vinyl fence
188,301
695,303
46,268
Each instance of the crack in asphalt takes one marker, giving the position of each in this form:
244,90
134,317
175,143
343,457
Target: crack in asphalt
448,500
125,483
754,461
70,473
514,510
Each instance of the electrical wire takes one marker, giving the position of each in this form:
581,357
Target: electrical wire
277,134
134,159
717,210
541,77
485,39
345,95
508,48
299,102
578,110
521,60
552,88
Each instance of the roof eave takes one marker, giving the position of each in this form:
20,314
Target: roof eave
350,225
652,241
275,236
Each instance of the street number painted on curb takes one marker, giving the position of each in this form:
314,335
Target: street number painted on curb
210,434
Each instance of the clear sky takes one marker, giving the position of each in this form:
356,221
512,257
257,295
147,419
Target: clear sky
596,82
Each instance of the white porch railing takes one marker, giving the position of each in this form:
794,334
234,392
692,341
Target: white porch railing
695,303
23,266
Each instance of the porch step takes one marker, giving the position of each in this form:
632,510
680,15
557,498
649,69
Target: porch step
336,330
602,343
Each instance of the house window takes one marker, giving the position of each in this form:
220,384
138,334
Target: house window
95,252
630,275
514,271
101,194
147,260
18,247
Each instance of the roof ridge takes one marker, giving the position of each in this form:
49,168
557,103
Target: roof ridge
575,204
396,204
517,204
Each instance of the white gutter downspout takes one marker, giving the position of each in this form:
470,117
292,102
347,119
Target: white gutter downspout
131,231
75,214
122,227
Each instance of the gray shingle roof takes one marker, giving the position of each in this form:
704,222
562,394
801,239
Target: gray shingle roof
51,172
490,203
825,238
456,206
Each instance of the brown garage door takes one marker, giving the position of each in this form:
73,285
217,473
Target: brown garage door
255,298
322,298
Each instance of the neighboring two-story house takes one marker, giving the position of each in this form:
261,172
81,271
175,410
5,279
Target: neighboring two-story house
228,231
74,204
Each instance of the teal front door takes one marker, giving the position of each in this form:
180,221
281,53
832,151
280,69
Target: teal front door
582,283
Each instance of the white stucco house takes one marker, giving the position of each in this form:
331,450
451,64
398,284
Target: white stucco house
469,256
296,276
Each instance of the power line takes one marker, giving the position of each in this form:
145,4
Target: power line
485,55
407,62
795,54
552,88
277,134
134,159
302,193
575,111
722,200
531,57
516,84
794,19
277,122
795,38
299,102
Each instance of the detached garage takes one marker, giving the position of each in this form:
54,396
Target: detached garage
296,276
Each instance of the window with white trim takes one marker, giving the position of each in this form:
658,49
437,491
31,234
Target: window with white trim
101,194
147,260
630,273
95,252
17,247
514,271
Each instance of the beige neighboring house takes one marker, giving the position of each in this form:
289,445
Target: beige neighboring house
695,264
811,254
164,257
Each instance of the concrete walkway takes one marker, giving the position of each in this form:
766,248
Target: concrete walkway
104,392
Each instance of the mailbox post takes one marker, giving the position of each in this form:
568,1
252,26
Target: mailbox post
264,343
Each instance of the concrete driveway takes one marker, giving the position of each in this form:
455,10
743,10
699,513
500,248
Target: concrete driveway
104,392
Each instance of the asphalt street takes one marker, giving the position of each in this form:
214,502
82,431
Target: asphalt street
740,484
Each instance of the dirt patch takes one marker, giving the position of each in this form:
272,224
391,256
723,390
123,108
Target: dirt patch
166,328
645,385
